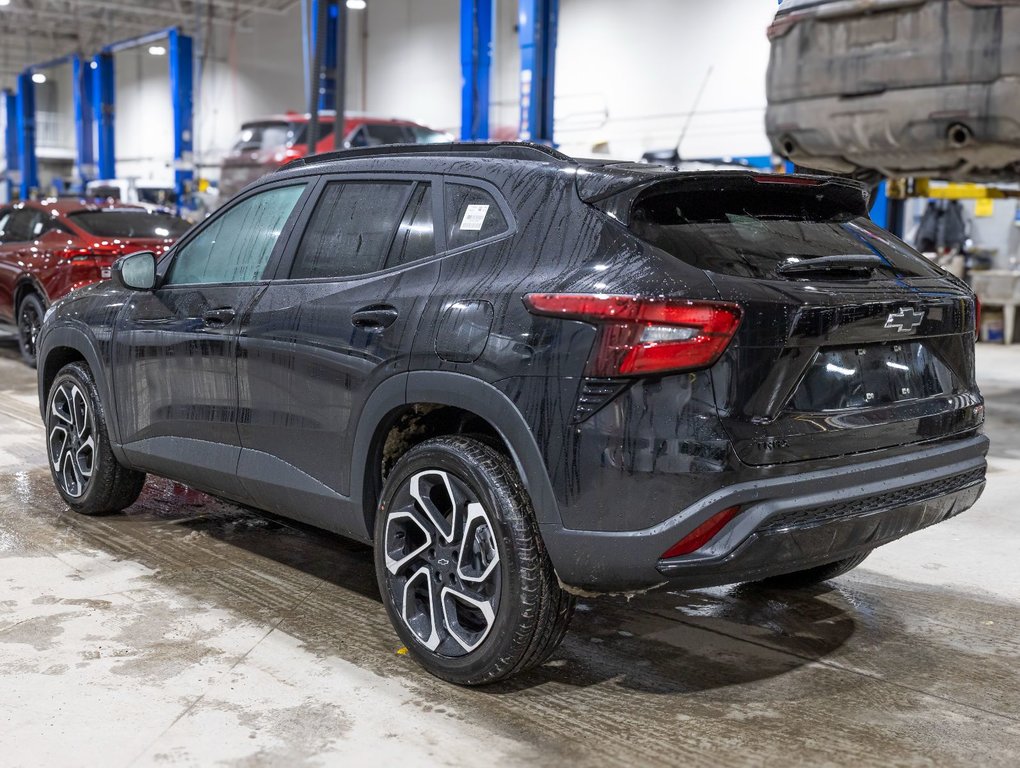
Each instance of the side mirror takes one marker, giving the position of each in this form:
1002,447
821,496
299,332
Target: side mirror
136,271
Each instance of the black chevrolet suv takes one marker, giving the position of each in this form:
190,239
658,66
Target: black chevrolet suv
522,377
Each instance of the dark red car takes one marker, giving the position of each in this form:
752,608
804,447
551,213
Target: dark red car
52,247
266,144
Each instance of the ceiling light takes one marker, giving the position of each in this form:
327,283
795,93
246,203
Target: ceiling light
157,50
357,5
5,2
38,77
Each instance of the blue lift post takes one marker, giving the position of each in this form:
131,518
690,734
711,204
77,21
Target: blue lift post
327,77
476,18
103,112
81,89
11,141
182,92
26,134
539,20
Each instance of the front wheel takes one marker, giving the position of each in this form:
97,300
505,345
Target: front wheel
85,471
30,317
462,569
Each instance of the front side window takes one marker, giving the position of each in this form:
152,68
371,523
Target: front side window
472,215
19,226
235,247
354,227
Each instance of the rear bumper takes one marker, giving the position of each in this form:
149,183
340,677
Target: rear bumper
904,131
786,523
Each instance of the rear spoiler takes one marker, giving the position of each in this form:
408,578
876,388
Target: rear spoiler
616,192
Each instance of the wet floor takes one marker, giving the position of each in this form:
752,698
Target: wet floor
192,632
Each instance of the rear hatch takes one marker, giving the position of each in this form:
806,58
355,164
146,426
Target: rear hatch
850,340
853,48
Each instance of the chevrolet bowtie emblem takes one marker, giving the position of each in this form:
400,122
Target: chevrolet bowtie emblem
904,321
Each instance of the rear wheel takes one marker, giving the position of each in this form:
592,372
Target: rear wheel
812,576
30,316
85,471
461,566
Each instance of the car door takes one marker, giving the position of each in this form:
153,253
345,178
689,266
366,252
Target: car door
338,320
16,229
175,348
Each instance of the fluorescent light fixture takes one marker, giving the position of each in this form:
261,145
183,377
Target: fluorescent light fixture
93,65
357,5
157,50
4,2
38,77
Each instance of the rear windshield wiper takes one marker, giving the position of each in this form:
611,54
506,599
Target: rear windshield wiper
850,265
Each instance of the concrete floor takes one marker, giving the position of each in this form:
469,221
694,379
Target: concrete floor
190,632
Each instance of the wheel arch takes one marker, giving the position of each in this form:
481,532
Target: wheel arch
66,344
494,414
24,285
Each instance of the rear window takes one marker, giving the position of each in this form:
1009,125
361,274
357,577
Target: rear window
130,223
270,135
751,232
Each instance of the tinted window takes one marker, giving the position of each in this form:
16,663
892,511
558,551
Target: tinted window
235,247
753,233
351,230
415,236
118,222
375,135
20,226
471,216
256,136
428,136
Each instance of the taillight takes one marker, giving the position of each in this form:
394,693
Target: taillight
645,336
977,316
701,535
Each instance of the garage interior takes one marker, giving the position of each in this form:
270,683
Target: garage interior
192,631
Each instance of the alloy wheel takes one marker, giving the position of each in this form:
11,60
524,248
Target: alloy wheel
71,440
29,323
443,569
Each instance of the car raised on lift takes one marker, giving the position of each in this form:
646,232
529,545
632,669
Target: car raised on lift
892,88
520,376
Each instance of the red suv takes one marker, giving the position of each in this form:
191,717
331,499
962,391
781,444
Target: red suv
52,247
266,144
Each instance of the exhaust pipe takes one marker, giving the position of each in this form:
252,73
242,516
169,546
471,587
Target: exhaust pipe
959,135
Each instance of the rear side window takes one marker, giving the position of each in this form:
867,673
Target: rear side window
472,215
119,222
751,232
416,238
355,226
235,247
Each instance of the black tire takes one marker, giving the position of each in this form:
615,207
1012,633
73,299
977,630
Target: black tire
487,510
812,576
30,317
75,428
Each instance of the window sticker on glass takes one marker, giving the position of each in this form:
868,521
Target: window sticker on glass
474,218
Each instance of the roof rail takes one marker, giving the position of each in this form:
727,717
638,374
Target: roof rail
506,150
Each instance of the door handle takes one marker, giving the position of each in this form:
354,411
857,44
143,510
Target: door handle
220,316
375,318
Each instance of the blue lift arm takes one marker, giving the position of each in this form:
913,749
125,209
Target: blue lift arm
26,134
13,175
539,22
476,17
182,92
103,112
81,89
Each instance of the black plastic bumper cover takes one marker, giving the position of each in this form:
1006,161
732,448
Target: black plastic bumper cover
786,523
